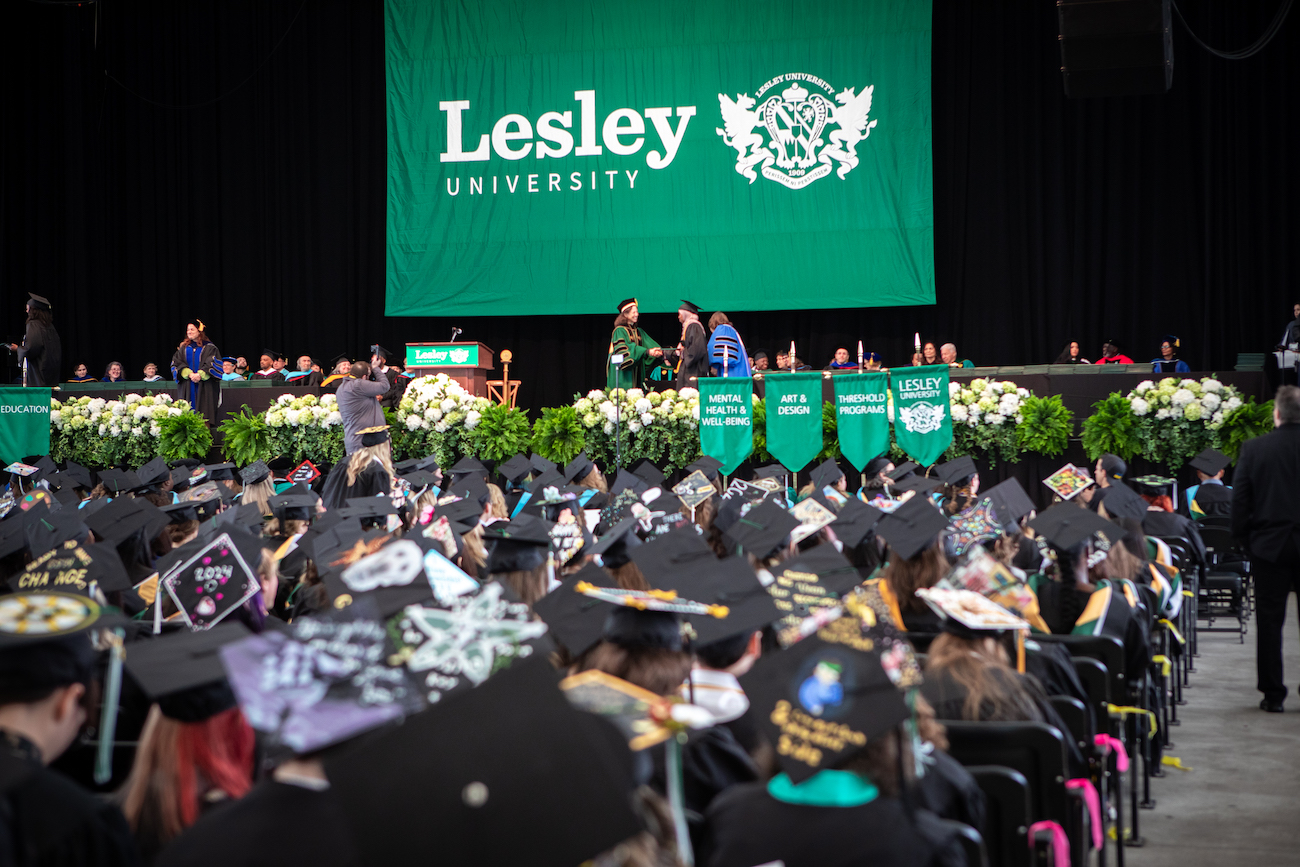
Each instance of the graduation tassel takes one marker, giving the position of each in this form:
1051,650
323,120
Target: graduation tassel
108,714
676,803
1020,651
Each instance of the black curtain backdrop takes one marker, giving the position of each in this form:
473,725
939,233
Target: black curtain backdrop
232,168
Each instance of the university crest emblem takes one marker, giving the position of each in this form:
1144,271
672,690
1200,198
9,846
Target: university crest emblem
922,417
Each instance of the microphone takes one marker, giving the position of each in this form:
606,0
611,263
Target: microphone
454,332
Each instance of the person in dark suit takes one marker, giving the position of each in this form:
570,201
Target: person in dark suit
1266,519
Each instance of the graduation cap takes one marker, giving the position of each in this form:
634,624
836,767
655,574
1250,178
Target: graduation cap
902,470
968,614
325,680
625,304
215,578
255,472
1210,461
626,480
540,464
376,349
468,466
514,737
689,307
957,471
812,517
920,484
1068,525
547,479
979,523
119,481
470,487
576,620
373,436
232,359
826,473
342,356
818,686
1154,483
729,583
876,465
854,522
37,302
578,468
1121,501
420,479
117,521
181,479
1010,502
13,535
45,643
646,469
707,465
615,547
219,472
273,354
246,517
517,546
515,469
73,568
182,671
761,530
463,511
79,474
152,474
429,462
47,530
191,510
912,527
695,489
664,562
805,585
295,504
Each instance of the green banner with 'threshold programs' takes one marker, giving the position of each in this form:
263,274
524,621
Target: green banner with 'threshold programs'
555,158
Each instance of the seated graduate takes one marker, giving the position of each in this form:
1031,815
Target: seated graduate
79,374
1161,519
961,485
196,750
1071,354
849,801
1168,360
368,471
48,661
915,561
1110,353
1210,497
258,487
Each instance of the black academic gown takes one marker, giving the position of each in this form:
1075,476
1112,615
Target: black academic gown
1164,523
373,480
746,827
206,392
46,820
693,357
43,352
273,825
712,762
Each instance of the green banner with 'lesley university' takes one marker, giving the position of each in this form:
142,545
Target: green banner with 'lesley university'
922,412
554,158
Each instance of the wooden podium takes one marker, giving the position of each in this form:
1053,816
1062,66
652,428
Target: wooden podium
466,363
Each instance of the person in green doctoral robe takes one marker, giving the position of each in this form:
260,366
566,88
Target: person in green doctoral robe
638,350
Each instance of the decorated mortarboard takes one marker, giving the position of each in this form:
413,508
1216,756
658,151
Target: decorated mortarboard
956,471
153,473
575,619
912,527
255,472
646,469
854,522
47,530
215,579
74,567
1067,525
739,499
515,469
1010,502
118,481
761,530
182,671
18,468
569,536
540,464
459,643
828,472
1210,461
446,579
980,523
970,614
45,615
1154,483
305,473
517,546
822,687
511,739
79,474
578,468
707,465
393,571
324,680
1121,501
695,489
117,521
808,585
919,484
373,436
1068,482
812,517
664,601
982,573
221,472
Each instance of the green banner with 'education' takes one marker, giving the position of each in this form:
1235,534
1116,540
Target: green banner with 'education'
794,418
24,423
727,419
922,417
555,158
861,415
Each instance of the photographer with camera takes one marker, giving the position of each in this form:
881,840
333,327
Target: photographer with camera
359,397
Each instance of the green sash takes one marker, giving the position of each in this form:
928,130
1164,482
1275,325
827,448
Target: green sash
727,419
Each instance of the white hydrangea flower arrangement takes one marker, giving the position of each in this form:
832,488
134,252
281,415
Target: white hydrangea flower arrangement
985,413
306,428
1177,418
102,433
660,425
434,415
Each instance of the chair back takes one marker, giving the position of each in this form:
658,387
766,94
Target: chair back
1007,814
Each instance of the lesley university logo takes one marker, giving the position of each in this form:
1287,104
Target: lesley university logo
796,137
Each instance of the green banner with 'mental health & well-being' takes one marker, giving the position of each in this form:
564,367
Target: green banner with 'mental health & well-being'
558,157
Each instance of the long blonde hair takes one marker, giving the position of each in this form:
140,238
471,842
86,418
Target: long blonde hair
363,457
259,494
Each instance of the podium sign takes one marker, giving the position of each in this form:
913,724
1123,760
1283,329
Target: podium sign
442,356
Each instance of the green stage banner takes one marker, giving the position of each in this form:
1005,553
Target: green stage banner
24,423
794,418
727,419
862,422
555,158
922,422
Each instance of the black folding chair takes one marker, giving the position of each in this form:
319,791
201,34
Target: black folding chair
972,843
1036,750
1007,815
1227,556
1096,680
